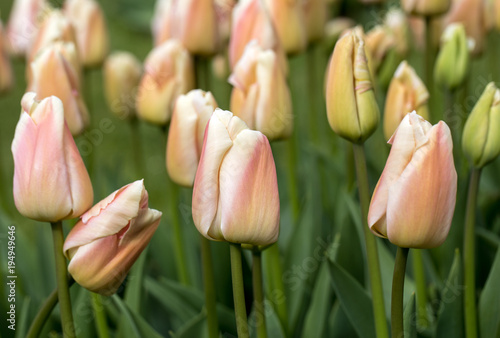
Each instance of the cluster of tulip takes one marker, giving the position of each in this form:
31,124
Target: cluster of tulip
225,159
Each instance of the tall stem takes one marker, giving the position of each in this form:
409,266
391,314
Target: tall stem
209,285
67,324
470,256
100,316
258,294
398,284
137,147
292,178
203,72
371,244
238,291
275,275
421,294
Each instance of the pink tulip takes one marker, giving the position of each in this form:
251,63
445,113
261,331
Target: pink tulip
50,179
414,200
23,24
55,71
260,95
6,74
162,22
105,243
235,194
185,137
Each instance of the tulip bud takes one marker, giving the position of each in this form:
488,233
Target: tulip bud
235,194
161,23
168,73
260,95
105,243
406,93
397,23
480,141
350,101
315,15
414,200
91,30
122,73
6,74
224,11
23,24
185,137
470,14
379,42
425,7
452,62
194,24
50,179
288,18
54,73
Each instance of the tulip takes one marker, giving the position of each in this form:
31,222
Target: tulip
235,194
288,18
50,179
168,73
350,101
379,42
54,73
260,95
91,30
453,60
335,29
185,137
161,23
251,21
406,93
397,23
425,7
224,11
23,24
122,73
194,24
470,14
315,15
481,136
414,200
105,243
6,74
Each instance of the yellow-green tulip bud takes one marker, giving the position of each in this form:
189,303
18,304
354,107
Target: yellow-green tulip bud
481,137
350,100
453,60
425,7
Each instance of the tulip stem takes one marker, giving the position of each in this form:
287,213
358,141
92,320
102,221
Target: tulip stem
137,146
209,285
292,178
240,310
202,64
398,285
44,312
275,275
371,244
62,281
258,294
421,294
470,257
100,316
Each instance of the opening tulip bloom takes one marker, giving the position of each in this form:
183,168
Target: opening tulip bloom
105,243
235,194
23,24
186,133
51,182
414,200
260,95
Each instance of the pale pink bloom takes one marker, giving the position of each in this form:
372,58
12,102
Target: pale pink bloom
55,71
260,95
6,74
51,182
162,22
185,136
105,243
471,14
235,194
23,24
315,16
414,200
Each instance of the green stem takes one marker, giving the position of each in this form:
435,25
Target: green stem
429,64
240,310
135,137
275,275
209,285
371,245
126,312
67,324
100,316
203,72
258,294
312,91
470,256
292,178
398,284
44,313
421,288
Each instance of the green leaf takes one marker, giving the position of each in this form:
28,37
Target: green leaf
450,321
136,325
354,300
410,327
196,327
23,324
339,324
489,302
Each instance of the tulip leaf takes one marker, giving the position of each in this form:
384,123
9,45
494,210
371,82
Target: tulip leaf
339,324
138,326
273,325
84,327
354,300
489,302
23,324
450,321
409,324
196,327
